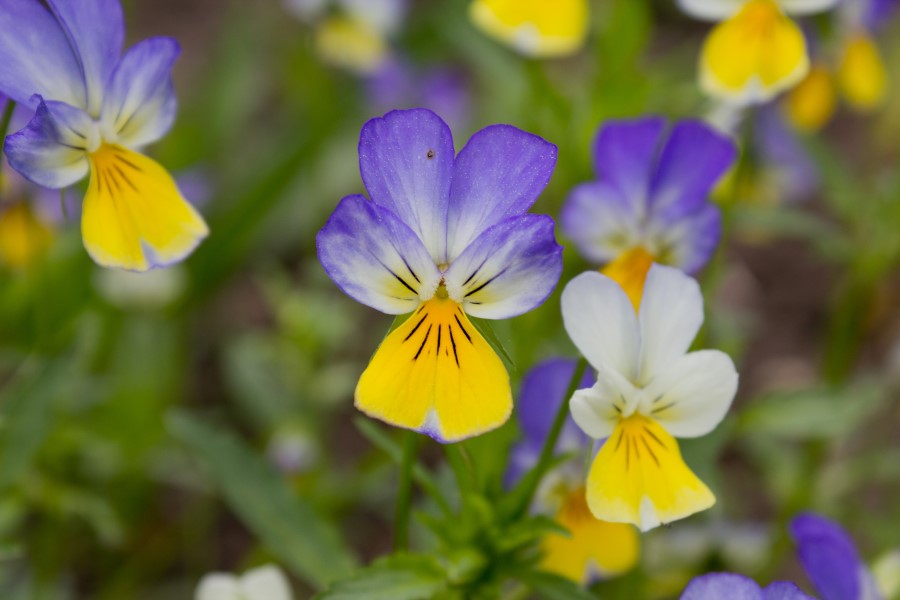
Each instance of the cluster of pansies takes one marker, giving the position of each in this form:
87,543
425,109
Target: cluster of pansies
444,239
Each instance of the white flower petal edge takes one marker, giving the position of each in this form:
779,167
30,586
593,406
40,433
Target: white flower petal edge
692,395
711,10
265,583
671,314
597,410
218,586
601,321
807,7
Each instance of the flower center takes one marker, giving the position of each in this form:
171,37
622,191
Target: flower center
759,17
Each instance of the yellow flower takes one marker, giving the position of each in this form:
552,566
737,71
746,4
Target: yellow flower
351,44
23,237
861,73
536,28
810,105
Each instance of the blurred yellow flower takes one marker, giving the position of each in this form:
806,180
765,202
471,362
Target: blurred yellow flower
352,44
535,28
861,73
810,105
23,236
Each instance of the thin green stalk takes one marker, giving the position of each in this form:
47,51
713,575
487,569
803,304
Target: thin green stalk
533,479
461,466
404,493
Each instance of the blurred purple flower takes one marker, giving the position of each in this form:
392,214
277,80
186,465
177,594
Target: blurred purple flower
651,193
441,89
782,155
722,586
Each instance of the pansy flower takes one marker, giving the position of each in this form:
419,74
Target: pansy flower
650,200
649,390
262,583
756,51
94,110
442,237
534,28
593,547
718,586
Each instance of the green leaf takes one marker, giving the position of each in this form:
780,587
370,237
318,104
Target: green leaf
553,587
400,577
286,524
527,531
487,331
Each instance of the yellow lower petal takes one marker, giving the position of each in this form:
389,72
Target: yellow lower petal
609,548
534,27
630,270
639,477
23,237
436,374
134,216
861,73
351,44
810,105
754,55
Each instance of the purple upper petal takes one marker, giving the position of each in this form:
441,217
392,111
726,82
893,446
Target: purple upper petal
140,101
50,151
375,258
96,31
601,221
828,556
722,586
406,162
692,161
498,174
784,590
625,155
508,270
36,56
878,12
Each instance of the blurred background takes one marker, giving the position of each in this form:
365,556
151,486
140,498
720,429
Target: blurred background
157,427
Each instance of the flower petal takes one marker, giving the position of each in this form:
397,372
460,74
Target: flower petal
435,374
598,409
828,555
543,389
784,590
140,103
743,62
691,396
625,155
630,270
375,258
499,173
134,216
406,162
508,270
808,7
265,583
96,30
693,159
218,586
670,317
710,10
36,56
718,586
689,241
534,27
592,546
639,477
601,322
50,151
601,221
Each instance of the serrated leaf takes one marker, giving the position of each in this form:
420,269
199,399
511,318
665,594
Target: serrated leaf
400,577
553,587
288,526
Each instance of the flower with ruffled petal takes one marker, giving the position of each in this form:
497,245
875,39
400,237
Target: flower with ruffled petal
593,547
649,390
650,200
756,50
442,237
534,27
94,110
719,586
262,583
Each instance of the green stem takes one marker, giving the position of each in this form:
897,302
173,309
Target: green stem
462,468
533,479
404,493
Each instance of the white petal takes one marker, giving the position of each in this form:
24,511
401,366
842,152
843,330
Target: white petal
596,410
266,583
601,321
671,314
807,7
711,10
218,586
691,397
